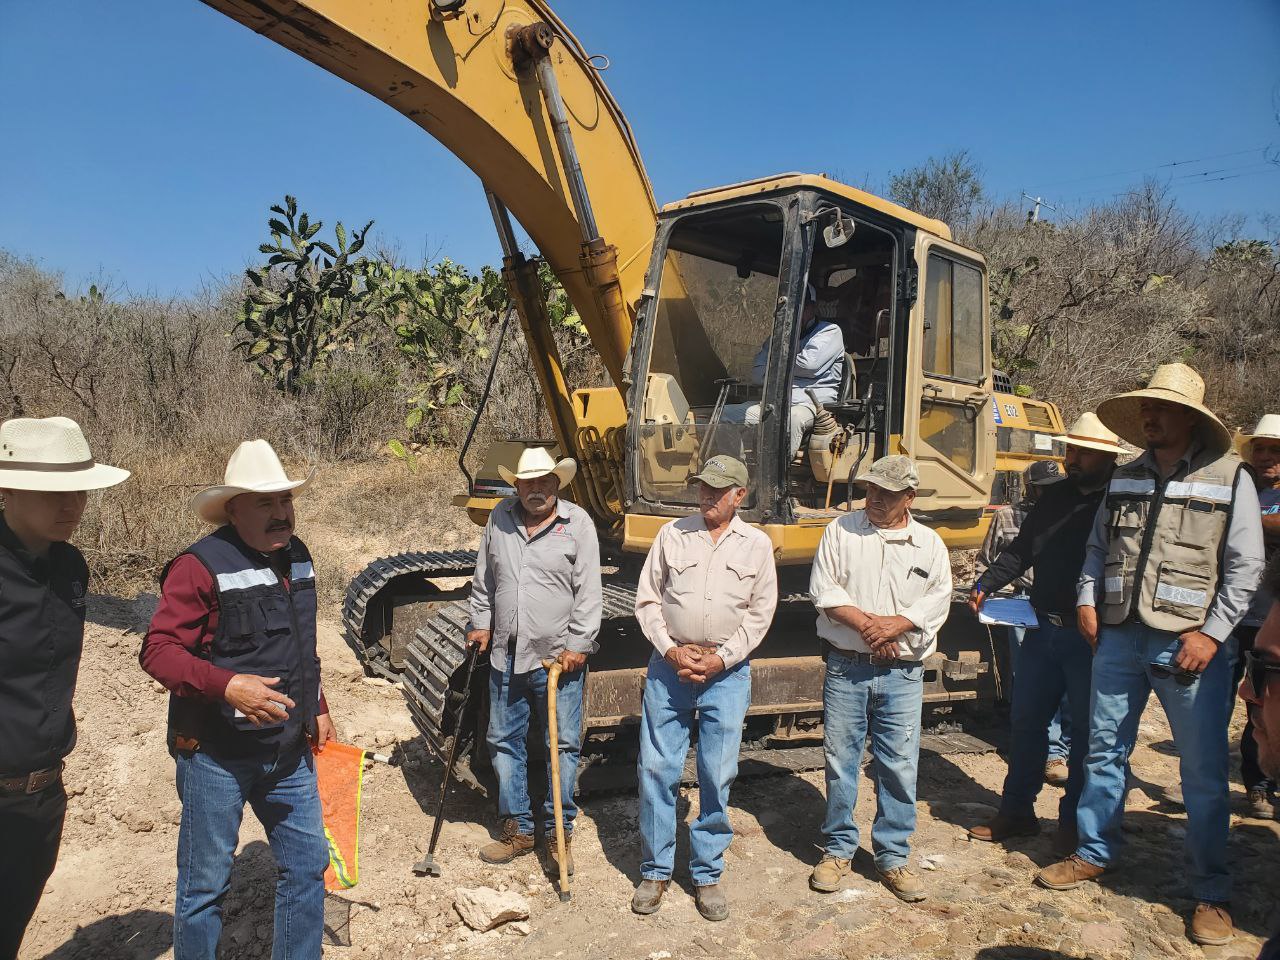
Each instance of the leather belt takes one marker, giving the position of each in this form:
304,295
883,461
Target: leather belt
32,782
873,659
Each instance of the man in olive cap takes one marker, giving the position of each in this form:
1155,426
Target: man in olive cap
705,600
882,584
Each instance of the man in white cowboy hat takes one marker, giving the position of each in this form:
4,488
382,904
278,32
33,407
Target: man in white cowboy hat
536,596
1170,568
46,470
1054,659
234,641
1261,450
705,600
882,584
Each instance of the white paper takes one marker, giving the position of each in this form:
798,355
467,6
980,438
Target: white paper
1008,612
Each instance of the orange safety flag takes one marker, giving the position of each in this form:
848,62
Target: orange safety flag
340,775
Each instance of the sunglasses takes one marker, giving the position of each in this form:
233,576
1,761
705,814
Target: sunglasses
1256,668
1185,678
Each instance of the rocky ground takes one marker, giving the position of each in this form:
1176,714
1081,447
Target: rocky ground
112,893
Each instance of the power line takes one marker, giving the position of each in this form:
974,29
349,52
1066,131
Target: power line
1158,166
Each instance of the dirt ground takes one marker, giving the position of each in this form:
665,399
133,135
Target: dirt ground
112,893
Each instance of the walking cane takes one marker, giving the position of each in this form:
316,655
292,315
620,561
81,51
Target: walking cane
553,735
427,866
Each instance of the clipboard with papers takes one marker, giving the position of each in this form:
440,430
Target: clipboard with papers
1008,612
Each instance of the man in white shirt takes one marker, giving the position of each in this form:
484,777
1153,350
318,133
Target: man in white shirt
882,585
819,366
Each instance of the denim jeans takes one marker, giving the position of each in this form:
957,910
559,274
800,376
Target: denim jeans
671,710
858,698
1060,725
1054,671
281,790
515,699
1250,773
1198,716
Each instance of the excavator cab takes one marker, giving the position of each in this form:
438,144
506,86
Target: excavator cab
720,324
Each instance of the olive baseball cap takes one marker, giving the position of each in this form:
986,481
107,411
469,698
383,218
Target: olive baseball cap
896,473
722,471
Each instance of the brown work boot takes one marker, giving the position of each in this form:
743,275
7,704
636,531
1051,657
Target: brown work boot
553,860
1065,840
1069,873
1003,826
711,901
512,844
828,876
1055,772
648,896
904,884
1211,925
1258,805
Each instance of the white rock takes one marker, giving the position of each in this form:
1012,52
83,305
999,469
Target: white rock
520,928
660,955
483,908
931,862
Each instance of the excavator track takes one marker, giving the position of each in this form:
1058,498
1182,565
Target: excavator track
389,598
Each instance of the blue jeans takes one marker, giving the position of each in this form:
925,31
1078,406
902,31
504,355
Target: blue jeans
1060,725
1055,668
515,698
1198,716
282,792
858,698
671,709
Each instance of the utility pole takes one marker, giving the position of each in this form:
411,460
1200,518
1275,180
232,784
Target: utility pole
1034,215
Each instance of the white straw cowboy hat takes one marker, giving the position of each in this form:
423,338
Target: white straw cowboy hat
51,455
1088,432
1173,383
1268,428
253,468
536,462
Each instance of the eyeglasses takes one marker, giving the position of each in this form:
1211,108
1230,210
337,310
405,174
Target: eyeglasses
1256,668
1185,678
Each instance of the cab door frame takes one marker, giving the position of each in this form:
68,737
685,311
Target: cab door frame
947,482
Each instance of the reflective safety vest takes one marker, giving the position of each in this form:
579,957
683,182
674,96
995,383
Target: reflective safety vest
1165,540
264,628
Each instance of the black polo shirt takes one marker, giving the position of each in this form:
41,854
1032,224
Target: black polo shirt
42,601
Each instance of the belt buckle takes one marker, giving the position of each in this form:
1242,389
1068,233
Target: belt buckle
1054,619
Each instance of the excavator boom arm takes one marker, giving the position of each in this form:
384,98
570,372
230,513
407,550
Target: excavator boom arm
450,69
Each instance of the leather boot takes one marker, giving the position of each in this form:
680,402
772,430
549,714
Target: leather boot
553,860
648,896
511,844
1068,874
1002,827
1211,924
711,901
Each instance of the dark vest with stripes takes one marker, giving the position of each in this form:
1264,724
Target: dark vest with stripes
264,628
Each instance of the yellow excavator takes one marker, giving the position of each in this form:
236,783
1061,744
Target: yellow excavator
694,309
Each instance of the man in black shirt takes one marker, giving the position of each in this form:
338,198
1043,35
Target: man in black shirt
45,470
1054,658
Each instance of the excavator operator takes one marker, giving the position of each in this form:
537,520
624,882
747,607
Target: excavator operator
819,365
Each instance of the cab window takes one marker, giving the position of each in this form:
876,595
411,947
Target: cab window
953,345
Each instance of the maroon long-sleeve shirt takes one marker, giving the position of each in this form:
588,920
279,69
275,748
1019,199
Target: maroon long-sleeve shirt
183,626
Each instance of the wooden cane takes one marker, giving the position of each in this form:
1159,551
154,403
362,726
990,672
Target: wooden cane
554,669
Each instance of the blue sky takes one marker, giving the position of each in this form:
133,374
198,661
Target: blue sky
144,141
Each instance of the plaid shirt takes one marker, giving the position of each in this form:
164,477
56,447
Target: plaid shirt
1005,524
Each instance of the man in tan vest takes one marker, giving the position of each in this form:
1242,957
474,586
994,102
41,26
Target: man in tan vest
1170,569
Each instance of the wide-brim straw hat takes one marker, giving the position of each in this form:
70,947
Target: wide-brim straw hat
51,455
1089,432
1268,428
1173,383
253,468
536,462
